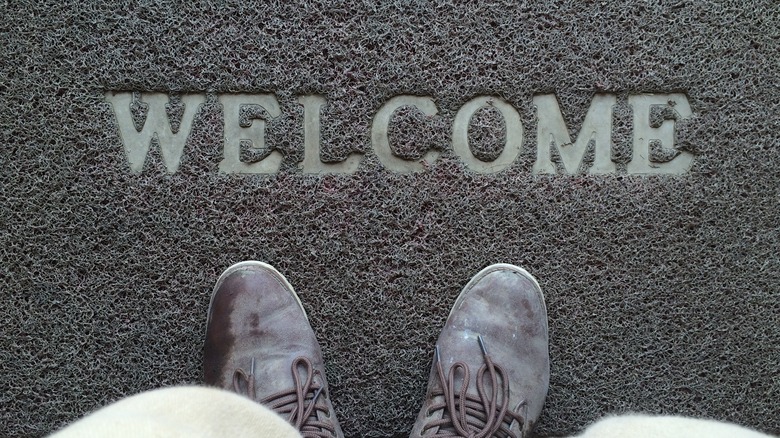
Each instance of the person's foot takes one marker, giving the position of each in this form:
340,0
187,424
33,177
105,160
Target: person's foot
259,343
491,368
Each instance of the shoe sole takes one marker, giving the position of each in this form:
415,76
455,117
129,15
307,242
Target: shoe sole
499,267
255,264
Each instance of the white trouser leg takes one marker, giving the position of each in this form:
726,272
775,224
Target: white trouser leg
190,411
645,426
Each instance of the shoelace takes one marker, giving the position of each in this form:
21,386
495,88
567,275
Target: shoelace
470,416
299,404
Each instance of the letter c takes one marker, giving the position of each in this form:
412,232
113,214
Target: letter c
379,129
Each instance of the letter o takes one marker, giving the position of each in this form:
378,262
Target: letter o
514,134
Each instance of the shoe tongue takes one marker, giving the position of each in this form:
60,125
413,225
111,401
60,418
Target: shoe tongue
274,372
461,346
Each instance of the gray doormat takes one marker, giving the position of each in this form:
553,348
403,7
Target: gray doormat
663,289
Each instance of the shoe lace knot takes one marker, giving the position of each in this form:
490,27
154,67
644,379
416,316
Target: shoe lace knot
481,415
299,405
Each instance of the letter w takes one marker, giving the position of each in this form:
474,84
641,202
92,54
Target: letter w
157,125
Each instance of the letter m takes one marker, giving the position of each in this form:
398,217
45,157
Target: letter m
553,133
138,137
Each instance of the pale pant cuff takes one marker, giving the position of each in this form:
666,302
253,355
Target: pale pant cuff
188,411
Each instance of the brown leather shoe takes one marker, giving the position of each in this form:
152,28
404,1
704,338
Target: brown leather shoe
259,343
491,369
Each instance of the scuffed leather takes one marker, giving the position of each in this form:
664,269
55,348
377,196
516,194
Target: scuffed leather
505,306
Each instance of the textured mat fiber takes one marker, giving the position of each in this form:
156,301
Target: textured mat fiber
662,290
